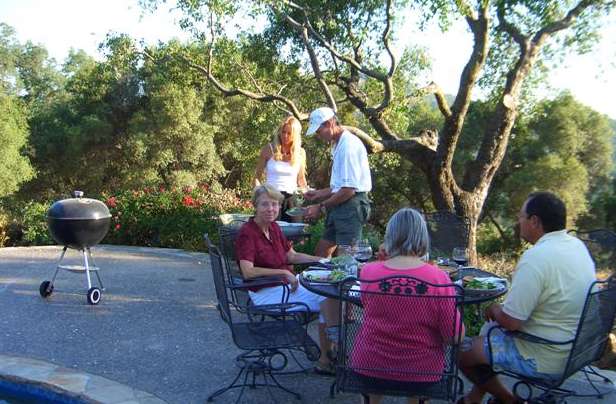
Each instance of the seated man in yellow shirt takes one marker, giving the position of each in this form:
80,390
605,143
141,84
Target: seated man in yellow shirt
546,299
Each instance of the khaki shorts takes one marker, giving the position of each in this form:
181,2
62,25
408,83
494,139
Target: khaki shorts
344,222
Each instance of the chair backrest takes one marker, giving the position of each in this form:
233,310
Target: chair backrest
220,279
594,327
447,231
601,244
398,319
226,242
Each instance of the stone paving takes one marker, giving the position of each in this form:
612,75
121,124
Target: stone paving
155,337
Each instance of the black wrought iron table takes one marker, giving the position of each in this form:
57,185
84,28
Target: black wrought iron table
331,289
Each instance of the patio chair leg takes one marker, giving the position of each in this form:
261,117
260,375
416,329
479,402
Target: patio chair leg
302,368
296,395
251,367
224,389
239,397
589,370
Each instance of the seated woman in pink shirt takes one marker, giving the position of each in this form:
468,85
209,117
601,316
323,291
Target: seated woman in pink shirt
394,334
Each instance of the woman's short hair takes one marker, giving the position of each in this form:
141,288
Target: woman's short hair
266,189
407,234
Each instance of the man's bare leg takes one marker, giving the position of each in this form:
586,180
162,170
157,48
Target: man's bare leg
324,344
476,366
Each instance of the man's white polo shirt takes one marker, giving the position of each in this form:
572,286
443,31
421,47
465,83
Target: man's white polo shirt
350,167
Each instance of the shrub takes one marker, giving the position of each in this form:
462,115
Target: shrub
316,231
169,218
34,224
5,221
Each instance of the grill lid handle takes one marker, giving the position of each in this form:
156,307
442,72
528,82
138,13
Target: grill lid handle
77,194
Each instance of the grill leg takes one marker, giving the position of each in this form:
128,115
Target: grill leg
85,261
100,281
53,279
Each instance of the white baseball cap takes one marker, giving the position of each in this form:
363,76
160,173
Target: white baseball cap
317,117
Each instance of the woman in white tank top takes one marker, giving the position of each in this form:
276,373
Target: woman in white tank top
283,161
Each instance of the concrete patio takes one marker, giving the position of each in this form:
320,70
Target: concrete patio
155,337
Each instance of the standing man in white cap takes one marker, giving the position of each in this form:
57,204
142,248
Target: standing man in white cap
345,201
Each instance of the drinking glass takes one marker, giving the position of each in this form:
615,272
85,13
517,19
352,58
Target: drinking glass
363,251
460,256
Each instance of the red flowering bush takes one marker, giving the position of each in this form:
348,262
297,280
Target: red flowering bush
169,218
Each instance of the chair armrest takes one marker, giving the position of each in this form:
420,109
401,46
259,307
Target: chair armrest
533,338
279,309
261,281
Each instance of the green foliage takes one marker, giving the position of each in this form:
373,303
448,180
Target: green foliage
560,146
169,218
391,190
131,122
15,168
39,76
308,246
34,224
5,222
473,319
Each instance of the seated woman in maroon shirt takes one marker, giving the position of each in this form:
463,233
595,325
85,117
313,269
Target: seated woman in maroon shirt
263,250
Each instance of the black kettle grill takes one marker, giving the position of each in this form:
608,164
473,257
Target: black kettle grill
78,223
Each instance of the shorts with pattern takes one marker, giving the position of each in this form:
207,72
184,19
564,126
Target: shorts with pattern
505,355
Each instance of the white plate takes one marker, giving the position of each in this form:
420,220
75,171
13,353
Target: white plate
282,223
296,211
318,275
499,287
499,284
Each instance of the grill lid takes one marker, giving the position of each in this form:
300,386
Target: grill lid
78,208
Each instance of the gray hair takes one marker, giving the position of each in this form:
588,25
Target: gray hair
407,234
266,189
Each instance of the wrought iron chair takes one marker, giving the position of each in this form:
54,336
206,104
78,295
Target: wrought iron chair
587,346
226,236
240,299
447,231
226,242
397,296
601,244
263,341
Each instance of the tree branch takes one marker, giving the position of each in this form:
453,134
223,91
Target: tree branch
420,150
565,22
327,45
439,95
314,62
372,145
481,171
509,28
470,74
388,90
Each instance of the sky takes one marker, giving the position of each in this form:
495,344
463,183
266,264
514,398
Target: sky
60,25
